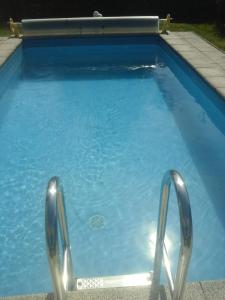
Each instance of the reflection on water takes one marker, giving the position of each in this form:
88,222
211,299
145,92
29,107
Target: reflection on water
168,252
152,243
53,72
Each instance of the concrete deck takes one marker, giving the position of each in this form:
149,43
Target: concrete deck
7,47
208,61
204,290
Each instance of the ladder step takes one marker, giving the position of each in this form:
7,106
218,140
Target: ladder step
140,279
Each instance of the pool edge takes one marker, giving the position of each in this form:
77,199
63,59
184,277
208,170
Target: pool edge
7,47
198,53
200,290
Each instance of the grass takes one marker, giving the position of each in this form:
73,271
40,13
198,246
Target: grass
207,31
4,30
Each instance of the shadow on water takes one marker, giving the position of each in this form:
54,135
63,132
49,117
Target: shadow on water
10,73
200,115
89,58
90,41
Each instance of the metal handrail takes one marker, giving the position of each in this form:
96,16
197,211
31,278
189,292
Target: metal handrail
55,214
176,287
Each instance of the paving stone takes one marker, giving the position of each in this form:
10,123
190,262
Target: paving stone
204,63
216,81
13,40
185,34
211,71
221,91
181,48
208,61
213,290
204,47
2,60
113,294
196,63
7,49
219,60
171,38
193,291
177,41
7,52
204,290
215,56
3,39
221,63
195,38
195,55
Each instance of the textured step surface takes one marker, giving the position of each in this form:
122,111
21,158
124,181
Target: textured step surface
204,290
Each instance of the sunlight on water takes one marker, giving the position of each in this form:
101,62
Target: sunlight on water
109,124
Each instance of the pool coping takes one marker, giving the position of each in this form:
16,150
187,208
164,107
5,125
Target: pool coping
8,46
201,290
207,60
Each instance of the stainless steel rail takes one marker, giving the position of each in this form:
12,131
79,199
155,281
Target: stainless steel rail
55,216
176,287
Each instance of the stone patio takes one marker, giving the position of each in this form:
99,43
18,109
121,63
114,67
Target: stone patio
202,290
207,60
7,47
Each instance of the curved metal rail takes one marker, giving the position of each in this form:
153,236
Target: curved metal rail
55,216
176,287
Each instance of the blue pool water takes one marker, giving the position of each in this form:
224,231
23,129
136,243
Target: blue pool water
108,116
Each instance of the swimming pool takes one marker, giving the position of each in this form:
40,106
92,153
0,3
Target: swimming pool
108,116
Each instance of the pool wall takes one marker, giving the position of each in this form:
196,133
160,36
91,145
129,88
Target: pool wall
205,59
7,47
10,70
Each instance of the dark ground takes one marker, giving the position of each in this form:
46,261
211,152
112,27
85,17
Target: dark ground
181,10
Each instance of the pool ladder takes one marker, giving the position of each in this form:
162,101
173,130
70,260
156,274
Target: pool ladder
62,272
